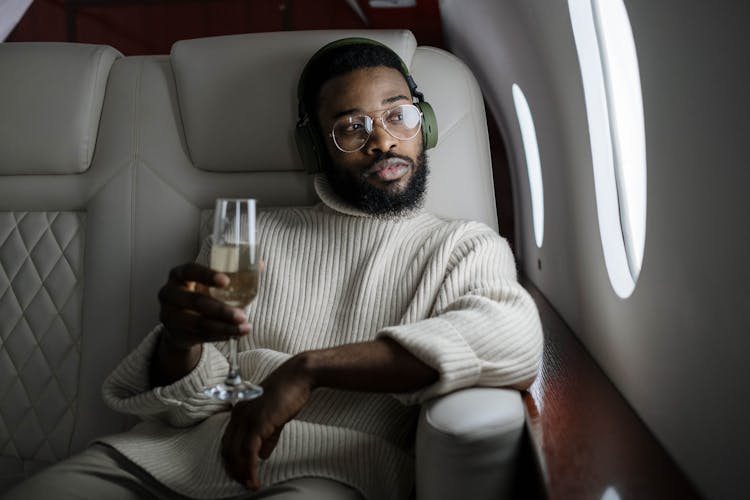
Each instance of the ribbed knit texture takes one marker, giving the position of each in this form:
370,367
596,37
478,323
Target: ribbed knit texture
445,290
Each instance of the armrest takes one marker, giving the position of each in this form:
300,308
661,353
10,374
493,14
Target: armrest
467,444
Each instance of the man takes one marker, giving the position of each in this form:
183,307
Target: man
368,306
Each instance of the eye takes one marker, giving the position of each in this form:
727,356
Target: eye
395,116
351,126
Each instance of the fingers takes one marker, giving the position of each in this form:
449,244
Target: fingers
239,448
182,298
235,462
192,328
254,445
195,272
245,443
190,315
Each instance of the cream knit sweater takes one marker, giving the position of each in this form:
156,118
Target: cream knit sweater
445,290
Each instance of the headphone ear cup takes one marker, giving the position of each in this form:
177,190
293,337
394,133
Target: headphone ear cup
429,125
309,148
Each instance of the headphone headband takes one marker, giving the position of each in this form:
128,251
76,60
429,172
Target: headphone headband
302,84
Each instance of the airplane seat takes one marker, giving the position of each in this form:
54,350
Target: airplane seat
213,119
62,250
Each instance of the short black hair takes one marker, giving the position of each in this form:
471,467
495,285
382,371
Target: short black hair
341,60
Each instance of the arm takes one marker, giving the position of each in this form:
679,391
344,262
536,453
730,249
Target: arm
380,365
484,329
164,376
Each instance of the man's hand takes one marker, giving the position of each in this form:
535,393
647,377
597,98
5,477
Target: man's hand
190,317
380,365
255,426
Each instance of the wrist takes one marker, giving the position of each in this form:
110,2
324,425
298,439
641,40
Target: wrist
304,367
172,362
171,343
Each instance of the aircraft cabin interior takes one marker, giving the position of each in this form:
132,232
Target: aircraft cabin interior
605,140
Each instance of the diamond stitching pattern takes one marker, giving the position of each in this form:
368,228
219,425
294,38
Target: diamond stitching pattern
41,291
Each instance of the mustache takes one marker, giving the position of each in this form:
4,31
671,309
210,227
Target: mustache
388,155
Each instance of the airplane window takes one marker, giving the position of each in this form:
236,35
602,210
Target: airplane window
614,108
533,164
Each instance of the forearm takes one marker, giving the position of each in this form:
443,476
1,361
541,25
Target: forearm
170,362
381,365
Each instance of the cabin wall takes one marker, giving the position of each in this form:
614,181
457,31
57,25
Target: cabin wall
677,347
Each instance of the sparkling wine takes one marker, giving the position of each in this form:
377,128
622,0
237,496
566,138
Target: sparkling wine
237,262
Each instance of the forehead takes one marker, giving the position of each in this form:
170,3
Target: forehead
363,89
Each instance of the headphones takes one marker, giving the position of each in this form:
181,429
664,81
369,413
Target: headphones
309,137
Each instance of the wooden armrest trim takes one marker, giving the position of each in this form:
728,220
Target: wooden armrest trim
586,438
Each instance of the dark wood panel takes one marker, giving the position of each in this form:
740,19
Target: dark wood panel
586,438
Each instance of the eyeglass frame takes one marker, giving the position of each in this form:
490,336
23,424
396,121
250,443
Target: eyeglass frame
382,125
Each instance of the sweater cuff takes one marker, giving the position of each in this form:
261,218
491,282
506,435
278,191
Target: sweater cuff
128,388
438,344
211,369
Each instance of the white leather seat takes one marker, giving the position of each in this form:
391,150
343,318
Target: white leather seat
65,260
215,118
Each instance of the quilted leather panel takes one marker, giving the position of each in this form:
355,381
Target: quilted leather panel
41,291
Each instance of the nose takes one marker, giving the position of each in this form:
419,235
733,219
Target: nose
380,141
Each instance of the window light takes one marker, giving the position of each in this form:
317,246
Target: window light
533,163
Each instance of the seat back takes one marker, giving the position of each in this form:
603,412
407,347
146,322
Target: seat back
237,98
107,167
63,242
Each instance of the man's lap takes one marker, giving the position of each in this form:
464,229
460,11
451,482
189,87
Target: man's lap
101,472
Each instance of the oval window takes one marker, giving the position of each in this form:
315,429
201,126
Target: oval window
614,108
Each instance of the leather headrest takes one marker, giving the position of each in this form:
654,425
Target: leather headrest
51,97
237,94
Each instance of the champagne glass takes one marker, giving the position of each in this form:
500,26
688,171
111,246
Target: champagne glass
234,253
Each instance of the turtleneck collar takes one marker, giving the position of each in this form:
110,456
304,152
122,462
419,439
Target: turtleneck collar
333,201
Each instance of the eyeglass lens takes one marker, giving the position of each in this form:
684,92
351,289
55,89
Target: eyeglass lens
350,133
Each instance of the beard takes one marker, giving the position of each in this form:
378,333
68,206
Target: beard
357,191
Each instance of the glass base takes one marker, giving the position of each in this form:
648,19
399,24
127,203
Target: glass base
233,390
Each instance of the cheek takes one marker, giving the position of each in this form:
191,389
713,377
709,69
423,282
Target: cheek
345,162
413,148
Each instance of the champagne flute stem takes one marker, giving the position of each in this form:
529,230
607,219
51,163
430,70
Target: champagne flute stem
233,375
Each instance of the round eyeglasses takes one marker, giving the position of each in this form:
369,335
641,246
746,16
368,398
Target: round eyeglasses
351,133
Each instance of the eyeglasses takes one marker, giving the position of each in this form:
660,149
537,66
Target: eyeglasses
351,133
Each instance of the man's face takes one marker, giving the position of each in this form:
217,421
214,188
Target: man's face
388,175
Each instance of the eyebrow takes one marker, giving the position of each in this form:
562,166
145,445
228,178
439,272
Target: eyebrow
390,100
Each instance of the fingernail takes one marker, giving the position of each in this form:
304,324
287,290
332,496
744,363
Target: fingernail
239,316
221,279
244,328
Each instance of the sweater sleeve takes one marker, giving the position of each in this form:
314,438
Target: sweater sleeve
484,328
182,403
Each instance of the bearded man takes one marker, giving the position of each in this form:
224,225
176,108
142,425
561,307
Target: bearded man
368,306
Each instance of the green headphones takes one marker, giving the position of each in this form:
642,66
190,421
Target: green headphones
309,138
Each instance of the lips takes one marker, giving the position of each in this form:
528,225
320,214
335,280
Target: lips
390,169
